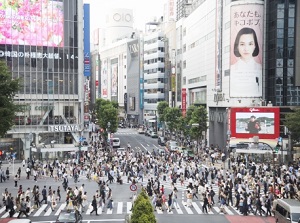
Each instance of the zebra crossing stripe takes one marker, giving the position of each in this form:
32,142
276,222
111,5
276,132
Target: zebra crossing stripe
62,206
228,211
48,212
110,210
5,215
120,208
2,209
188,210
90,208
40,210
129,205
196,207
178,209
159,211
217,209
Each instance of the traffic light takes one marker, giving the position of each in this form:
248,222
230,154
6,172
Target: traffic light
0,152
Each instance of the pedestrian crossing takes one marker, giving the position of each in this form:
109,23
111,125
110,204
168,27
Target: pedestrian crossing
120,208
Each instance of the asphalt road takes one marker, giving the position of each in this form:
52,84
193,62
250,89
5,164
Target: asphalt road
121,194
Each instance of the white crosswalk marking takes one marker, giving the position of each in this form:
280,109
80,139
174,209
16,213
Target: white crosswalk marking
120,208
48,212
125,207
129,205
110,211
61,207
2,209
189,211
196,207
40,210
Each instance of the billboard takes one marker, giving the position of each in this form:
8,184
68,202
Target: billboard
261,121
246,51
114,80
104,77
183,103
35,23
86,32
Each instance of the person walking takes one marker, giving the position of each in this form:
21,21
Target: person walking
205,203
23,208
94,205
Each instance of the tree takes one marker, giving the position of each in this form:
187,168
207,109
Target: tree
8,88
172,116
198,122
161,108
142,210
107,112
292,121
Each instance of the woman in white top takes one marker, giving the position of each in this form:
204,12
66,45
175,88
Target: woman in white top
246,73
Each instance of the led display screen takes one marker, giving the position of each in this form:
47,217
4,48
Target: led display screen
249,122
32,22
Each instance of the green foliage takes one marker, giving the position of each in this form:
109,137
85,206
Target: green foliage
172,116
107,112
292,121
8,88
161,107
142,210
199,116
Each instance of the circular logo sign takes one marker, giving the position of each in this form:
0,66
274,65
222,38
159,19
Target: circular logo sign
133,187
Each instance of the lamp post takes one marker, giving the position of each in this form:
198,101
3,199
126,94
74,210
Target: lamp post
228,148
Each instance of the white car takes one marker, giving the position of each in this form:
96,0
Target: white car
141,131
116,142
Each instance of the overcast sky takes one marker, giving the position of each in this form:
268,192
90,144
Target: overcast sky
143,10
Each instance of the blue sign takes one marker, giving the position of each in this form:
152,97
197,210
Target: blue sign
81,139
86,38
279,139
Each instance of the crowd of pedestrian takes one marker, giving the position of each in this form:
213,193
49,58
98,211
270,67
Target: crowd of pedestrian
248,188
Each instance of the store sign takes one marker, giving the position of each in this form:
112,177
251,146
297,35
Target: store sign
63,128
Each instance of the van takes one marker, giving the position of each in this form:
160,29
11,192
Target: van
287,211
116,142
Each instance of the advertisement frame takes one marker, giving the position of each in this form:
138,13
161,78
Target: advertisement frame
254,111
33,23
246,50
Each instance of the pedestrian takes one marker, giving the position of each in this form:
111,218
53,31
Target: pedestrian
268,206
94,205
23,208
258,206
205,204
189,198
170,202
11,207
44,194
16,180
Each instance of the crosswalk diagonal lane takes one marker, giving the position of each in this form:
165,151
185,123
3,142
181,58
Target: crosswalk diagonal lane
120,208
197,208
40,210
188,210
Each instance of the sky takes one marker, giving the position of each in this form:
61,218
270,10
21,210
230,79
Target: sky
143,11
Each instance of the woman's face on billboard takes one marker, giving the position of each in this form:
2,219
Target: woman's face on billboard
246,46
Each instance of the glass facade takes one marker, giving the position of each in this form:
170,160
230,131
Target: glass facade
280,53
43,55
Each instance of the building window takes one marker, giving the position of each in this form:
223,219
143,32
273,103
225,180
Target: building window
184,31
184,64
184,48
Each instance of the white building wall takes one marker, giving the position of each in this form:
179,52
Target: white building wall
199,57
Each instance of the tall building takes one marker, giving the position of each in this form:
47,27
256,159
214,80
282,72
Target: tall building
42,43
154,71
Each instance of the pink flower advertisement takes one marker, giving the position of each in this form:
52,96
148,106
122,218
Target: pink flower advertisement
31,22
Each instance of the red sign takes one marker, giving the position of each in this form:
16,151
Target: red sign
247,122
183,101
133,187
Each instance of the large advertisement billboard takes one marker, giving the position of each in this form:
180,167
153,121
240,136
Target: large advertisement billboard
246,52
249,122
114,80
104,77
35,23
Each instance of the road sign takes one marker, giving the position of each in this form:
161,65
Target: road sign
81,139
133,187
279,139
